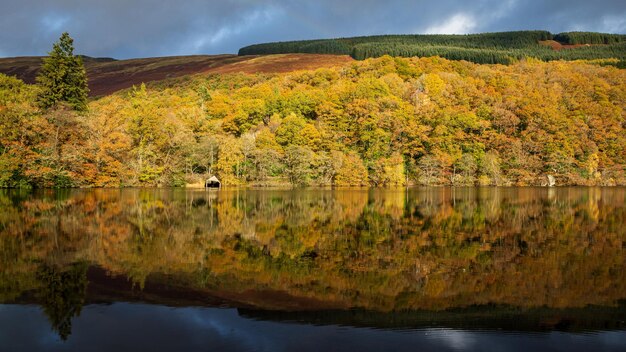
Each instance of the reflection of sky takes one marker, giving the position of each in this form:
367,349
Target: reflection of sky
139,327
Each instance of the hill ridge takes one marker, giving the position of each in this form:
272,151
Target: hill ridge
108,76
482,48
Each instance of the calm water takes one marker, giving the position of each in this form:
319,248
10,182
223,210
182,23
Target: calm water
429,269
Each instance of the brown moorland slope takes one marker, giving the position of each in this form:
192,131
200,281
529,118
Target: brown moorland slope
109,75
560,46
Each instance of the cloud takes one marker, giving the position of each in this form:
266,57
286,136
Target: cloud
140,28
457,24
54,23
614,24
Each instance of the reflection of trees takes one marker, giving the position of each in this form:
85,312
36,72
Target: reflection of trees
422,248
63,295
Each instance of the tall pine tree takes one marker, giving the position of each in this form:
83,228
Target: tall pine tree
63,77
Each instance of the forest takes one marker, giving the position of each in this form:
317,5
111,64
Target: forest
377,122
484,48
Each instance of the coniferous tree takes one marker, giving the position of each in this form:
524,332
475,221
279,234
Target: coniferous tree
63,77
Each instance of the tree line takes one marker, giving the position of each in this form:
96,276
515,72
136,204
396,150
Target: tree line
484,48
574,38
518,39
613,54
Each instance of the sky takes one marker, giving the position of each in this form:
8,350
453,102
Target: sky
146,28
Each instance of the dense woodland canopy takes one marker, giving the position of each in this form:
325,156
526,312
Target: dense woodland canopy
385,121
589,38
484,48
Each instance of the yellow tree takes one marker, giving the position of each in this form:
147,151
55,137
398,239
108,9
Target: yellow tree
229,160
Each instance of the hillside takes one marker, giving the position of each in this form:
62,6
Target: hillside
379,122
108,75
488,48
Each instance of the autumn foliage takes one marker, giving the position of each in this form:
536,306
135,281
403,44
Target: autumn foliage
380,122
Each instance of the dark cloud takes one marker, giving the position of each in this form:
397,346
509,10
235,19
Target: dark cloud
140,28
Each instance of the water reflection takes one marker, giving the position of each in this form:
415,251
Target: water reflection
546,254
138,327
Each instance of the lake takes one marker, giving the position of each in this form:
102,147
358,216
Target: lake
428,269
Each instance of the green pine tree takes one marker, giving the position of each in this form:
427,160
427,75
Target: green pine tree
63,77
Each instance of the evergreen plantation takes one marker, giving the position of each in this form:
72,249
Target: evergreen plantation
485,48
380,122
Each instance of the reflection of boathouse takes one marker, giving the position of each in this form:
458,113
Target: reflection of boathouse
213,182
